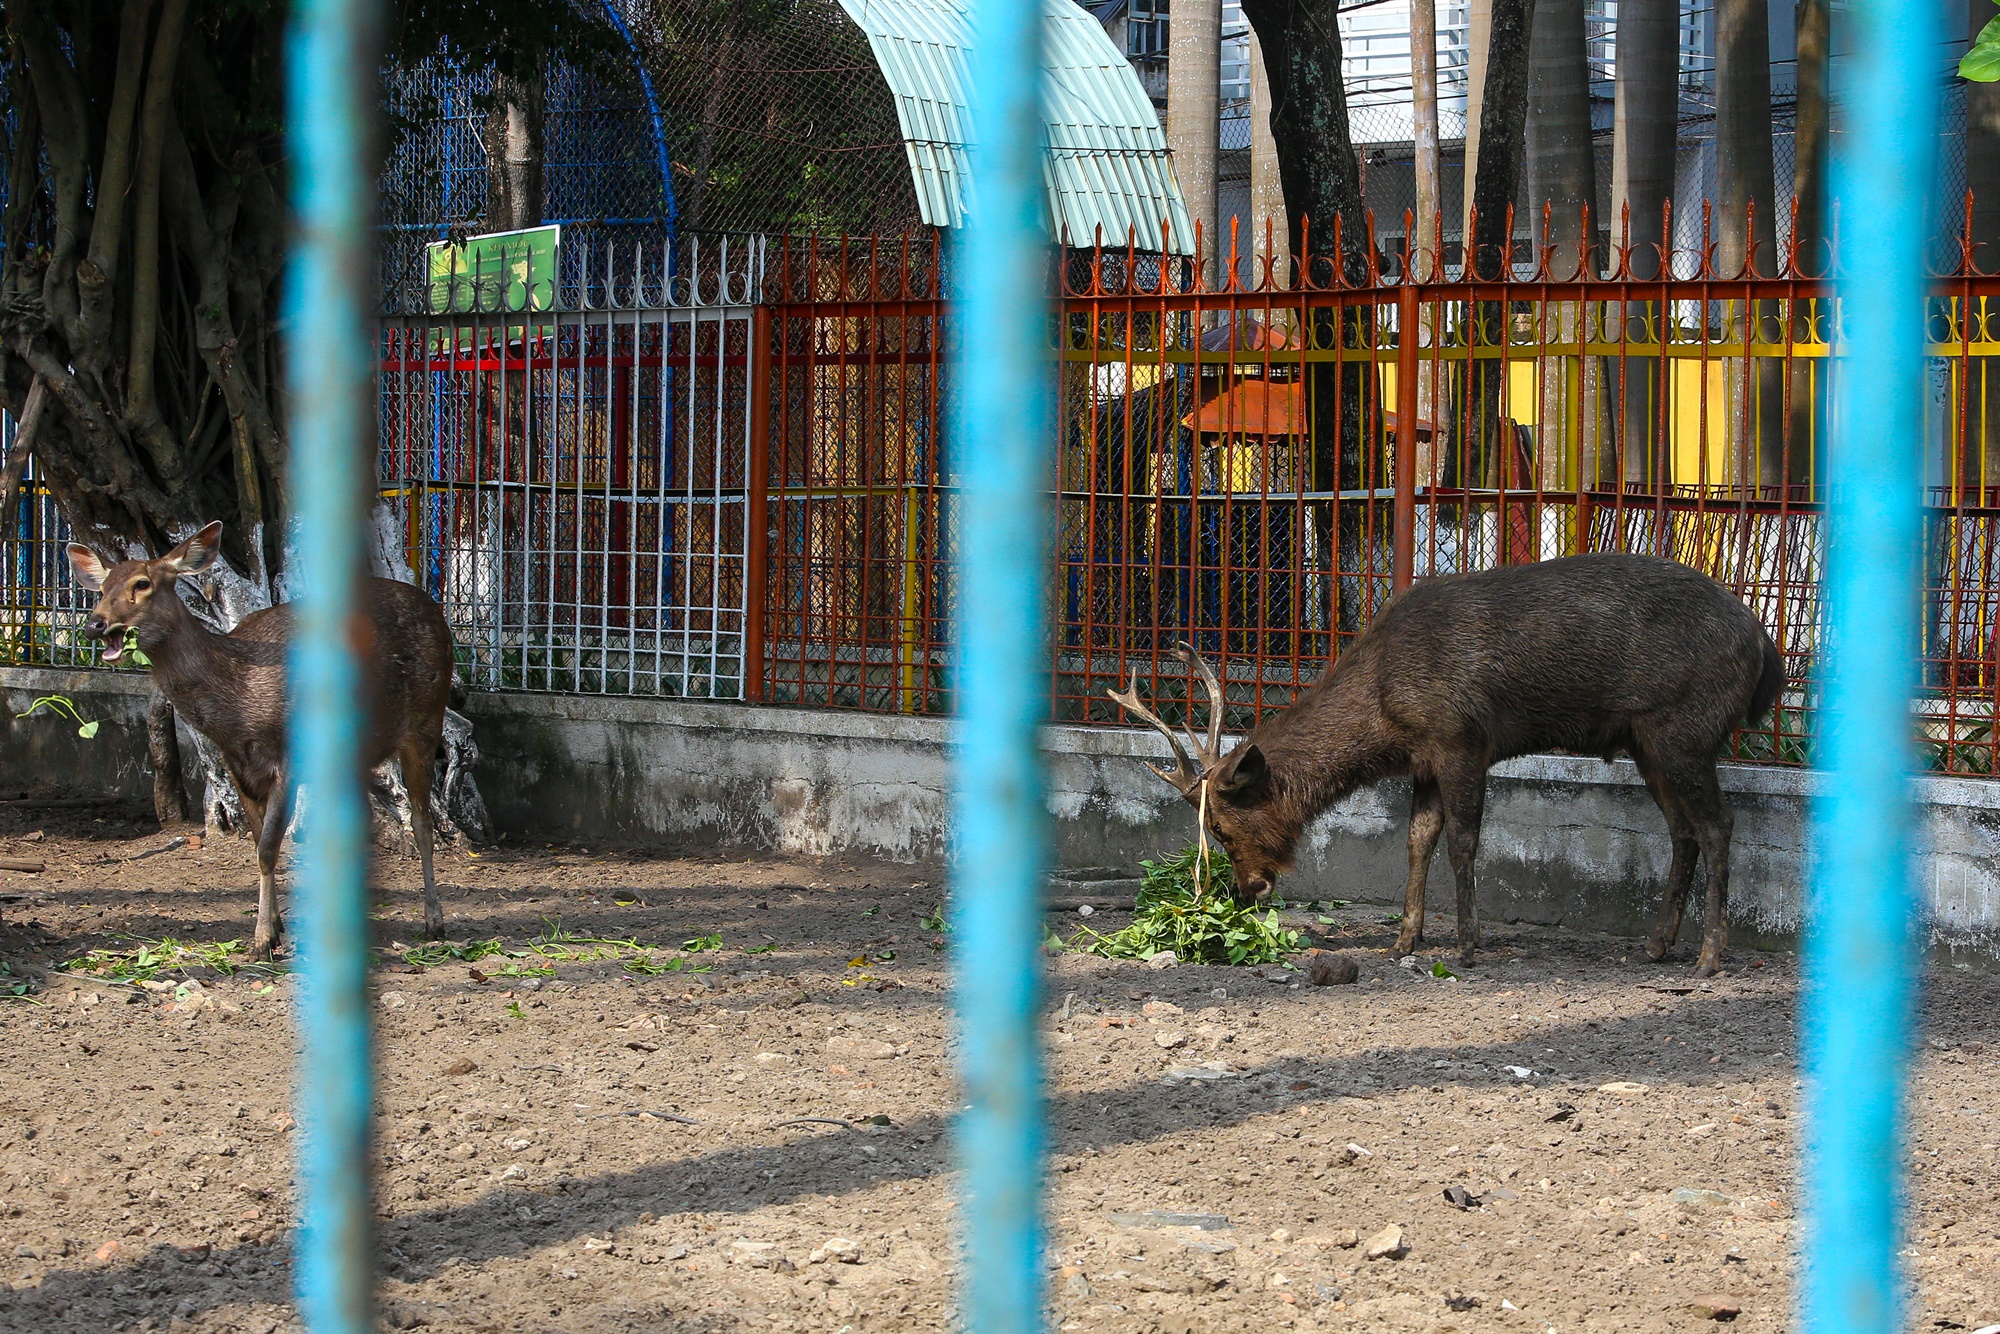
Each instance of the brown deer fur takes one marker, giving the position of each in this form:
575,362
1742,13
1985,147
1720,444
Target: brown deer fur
231,689
1596,654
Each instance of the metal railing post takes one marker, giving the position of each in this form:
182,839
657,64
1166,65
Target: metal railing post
1861,958
1003,436
1403,554
331,106
756,507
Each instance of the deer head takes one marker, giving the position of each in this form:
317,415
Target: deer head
1239,809
139,594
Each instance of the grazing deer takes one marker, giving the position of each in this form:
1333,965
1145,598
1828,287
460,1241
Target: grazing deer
1594,654
231,689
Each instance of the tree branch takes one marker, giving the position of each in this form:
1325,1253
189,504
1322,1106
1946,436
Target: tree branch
24,444
64,117
96,275
143,410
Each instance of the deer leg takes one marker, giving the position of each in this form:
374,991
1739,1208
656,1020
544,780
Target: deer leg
1464,803
270,928
1426,823
270,837
1680,876
1713,826
419,760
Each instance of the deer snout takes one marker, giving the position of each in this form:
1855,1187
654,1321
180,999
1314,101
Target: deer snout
1253,889
96,627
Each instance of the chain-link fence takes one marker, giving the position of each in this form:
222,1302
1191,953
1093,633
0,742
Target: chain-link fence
779,118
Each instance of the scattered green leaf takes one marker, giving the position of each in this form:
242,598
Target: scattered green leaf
1439,970
1982,61
147,959
514,1008
934,920
443,951
700,943
63,707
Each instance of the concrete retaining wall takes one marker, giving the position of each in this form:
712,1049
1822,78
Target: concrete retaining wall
44,756
1567,840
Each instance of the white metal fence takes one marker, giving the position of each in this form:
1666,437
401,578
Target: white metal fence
571,480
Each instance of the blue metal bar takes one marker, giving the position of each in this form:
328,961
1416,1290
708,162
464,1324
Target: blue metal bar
1004,424
659,126
331,109
1862,941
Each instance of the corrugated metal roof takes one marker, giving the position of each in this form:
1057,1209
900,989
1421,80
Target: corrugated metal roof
1107,165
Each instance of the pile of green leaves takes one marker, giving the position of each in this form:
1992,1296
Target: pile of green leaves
1185,906
146,960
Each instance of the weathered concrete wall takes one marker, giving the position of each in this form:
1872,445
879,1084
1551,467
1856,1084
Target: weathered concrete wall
44,756
1566,839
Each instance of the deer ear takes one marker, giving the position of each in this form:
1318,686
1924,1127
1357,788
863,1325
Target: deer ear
90,571
1244,775
196,553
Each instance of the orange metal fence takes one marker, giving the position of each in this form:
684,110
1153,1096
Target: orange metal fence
1256,469
745,488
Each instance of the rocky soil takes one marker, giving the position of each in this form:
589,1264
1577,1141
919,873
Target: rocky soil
755,1136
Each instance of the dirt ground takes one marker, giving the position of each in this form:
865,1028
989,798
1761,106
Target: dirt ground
1645,1162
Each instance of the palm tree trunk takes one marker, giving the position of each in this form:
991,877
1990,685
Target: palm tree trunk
1498,170
1747,231
1808,387
1194,75
1425,241
1561,167
1645,121
1562,188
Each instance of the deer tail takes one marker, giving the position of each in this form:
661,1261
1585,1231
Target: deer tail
1769,684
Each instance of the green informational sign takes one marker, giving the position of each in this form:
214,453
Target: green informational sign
501,271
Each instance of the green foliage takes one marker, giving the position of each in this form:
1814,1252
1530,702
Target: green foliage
1186,907
147,959
65,707
1982,62
439,952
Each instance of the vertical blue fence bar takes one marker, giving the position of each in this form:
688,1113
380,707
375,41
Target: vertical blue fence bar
331,110
1003,428
1862,944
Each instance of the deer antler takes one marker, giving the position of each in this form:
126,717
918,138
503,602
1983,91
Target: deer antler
1187,773
1211,749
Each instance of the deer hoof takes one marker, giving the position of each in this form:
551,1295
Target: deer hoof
434,926
1707,965
1656,949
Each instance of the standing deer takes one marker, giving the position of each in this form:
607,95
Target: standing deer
231,689
1594,654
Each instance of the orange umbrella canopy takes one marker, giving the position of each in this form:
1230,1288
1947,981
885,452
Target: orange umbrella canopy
1253,407
1270,408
